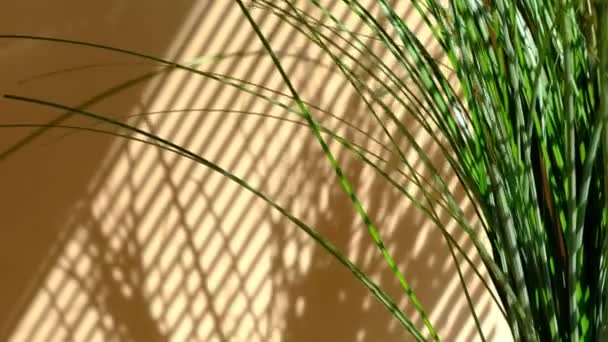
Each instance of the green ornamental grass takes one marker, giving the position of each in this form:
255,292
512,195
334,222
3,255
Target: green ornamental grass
518,105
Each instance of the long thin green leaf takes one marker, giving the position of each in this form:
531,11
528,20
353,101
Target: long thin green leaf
345,183
365,280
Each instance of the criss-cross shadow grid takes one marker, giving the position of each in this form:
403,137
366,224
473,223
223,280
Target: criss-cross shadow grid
162,248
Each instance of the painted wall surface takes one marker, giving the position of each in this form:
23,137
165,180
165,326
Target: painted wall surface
105,238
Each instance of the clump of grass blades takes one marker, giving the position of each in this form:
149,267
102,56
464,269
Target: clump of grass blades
523,127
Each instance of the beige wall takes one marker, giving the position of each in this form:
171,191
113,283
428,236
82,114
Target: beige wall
106,239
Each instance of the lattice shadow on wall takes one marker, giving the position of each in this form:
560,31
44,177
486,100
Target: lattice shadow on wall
163,249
